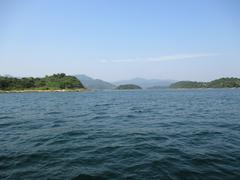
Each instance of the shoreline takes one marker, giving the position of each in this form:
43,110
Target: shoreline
47,90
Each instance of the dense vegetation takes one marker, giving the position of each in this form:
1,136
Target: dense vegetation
54,82
128,86
219,83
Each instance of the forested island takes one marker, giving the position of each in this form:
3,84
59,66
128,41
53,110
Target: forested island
55,82
218,83
128,87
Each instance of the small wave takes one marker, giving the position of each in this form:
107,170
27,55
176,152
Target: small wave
88,177
25,159
78,115
102,105
73,133
99,117
130,116
6,117
9,124
207,133
53,112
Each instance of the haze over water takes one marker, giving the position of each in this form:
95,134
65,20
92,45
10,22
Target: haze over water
148,134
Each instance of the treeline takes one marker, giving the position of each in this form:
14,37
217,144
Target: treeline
218,83
54,82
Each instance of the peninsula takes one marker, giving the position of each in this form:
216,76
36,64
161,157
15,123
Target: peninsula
54,83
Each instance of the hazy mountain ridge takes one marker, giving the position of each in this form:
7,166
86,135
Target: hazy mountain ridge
92,83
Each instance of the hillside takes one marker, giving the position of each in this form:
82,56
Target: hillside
218,83
91,83
54,82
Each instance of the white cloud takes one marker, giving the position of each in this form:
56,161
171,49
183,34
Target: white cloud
158,59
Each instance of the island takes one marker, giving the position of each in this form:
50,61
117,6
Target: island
128,87
218,83
54,83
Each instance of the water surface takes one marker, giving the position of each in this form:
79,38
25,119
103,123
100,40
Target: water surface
164,134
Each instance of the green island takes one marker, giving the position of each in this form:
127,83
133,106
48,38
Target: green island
54,83
128,87
218,83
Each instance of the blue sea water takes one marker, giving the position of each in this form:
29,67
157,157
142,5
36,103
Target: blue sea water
148,134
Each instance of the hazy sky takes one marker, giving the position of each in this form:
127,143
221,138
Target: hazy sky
113,40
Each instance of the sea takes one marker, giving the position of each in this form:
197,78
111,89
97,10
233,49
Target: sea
135,134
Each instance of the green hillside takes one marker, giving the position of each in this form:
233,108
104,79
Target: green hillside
218,83
53,82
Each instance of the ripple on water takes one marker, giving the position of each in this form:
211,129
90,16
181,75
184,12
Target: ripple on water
121,135
6,117
53,112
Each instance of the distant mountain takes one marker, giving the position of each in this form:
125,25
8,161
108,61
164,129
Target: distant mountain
146,83
91,83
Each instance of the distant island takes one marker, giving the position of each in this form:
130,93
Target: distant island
218,83
146,83
128,87
55,82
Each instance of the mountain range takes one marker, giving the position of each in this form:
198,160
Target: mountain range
92,83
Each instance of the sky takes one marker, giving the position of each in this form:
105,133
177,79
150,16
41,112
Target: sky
115,40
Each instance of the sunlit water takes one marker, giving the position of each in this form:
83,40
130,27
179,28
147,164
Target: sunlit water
165,134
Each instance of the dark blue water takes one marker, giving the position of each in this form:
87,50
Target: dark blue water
166,134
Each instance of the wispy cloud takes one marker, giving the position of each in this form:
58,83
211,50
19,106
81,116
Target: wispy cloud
159,59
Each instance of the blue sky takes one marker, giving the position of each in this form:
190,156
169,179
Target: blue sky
114,40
